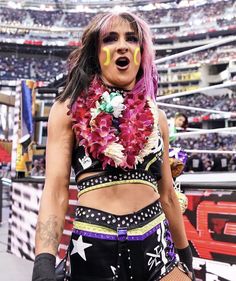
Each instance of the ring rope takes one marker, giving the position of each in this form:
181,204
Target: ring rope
194,50
210,151
225,113
198,130
185,93
196,91
205,131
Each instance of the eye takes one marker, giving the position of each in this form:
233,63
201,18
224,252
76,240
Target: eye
109,39
132,38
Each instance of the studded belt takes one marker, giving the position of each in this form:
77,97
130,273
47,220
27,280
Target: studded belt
107,179
102,225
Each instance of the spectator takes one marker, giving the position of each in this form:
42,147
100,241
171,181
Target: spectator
194,164
220,163
179,122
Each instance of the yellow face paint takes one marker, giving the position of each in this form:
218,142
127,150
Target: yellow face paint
108,56
137,50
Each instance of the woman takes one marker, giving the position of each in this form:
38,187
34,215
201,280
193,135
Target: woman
117,142
179,122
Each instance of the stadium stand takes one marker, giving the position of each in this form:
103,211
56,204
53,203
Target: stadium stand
171,25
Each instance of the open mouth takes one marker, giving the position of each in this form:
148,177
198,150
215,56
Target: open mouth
122,62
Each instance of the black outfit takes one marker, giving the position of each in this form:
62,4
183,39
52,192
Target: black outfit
136,247
105,246
194,163
220,163
108,247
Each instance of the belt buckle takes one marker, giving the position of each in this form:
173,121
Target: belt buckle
122,233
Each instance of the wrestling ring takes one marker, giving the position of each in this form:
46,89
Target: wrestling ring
211,213
193,132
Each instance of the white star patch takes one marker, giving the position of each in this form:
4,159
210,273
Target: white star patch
79,247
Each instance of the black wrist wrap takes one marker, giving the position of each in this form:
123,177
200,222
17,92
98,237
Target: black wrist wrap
44,267
185,256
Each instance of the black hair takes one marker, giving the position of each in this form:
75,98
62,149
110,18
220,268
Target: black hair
180,114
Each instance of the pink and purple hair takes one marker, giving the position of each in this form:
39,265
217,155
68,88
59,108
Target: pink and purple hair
149,77
83,65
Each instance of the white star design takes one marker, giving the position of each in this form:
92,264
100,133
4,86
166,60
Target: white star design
79,247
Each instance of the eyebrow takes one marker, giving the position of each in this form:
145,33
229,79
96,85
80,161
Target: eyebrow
115,33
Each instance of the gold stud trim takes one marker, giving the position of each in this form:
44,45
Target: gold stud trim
154,159
105,230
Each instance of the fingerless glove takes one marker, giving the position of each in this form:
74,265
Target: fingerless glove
44,267
185,256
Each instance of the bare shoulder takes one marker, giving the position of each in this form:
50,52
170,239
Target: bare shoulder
60,133
162,115
59,114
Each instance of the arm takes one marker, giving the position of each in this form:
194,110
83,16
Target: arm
170,203
54,201
168,198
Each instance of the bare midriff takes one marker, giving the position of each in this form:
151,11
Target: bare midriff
118,199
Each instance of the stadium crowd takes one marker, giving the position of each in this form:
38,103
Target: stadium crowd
217,14
222,142
30,67
209,162
225,103
205,12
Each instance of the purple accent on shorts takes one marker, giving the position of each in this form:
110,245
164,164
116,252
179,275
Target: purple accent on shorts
170,245
115,236
94,235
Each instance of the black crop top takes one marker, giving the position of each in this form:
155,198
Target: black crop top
108,111
148,172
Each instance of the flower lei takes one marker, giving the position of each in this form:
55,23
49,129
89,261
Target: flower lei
118,131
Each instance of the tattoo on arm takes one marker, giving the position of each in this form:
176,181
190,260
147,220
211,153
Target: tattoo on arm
50,231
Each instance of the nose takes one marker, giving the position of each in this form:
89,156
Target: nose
122,46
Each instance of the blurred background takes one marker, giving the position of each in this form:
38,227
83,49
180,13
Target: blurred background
36,38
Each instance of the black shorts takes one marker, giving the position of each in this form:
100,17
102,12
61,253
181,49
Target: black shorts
107,247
